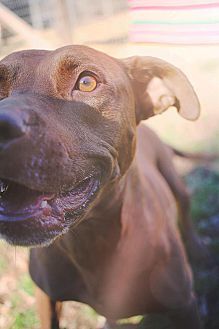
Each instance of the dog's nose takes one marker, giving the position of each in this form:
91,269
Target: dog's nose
11,127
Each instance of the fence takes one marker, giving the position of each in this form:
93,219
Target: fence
52,20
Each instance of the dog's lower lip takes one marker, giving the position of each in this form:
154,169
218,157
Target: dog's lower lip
9,214
44,205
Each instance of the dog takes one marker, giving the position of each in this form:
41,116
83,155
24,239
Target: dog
89,188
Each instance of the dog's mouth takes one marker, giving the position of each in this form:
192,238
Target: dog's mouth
50,215
18,202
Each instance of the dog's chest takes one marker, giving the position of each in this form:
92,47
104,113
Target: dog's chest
115,273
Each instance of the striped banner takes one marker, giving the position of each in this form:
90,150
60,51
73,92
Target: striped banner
172,21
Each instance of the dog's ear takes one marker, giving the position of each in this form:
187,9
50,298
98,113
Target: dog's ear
159,85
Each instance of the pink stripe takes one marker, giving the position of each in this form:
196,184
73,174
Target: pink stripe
185,7
180,39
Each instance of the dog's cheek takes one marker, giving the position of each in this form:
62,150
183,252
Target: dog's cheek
127,150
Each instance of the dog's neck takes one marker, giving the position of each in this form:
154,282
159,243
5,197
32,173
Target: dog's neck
96,237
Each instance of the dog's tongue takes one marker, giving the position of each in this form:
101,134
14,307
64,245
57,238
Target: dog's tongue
18,199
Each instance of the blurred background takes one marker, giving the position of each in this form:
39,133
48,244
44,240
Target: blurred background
185,33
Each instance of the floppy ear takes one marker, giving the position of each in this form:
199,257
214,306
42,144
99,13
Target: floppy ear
159,85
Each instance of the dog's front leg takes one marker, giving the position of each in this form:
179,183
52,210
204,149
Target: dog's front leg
49,312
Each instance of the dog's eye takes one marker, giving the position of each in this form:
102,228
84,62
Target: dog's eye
86,83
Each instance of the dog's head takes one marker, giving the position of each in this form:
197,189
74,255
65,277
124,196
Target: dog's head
67,130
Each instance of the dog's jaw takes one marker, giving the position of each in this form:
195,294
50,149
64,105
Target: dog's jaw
43,217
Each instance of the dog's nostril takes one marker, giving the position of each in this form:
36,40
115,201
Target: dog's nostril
10,128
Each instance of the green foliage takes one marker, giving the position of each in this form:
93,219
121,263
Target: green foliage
133,319
3,264
26,284
24,320
204,186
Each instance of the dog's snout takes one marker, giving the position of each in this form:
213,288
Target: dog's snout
11,127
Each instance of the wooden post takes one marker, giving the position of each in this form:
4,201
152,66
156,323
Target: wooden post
20,27
64,27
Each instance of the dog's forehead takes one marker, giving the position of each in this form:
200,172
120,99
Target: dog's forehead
20,58
79,54
84,54
47,61
84,58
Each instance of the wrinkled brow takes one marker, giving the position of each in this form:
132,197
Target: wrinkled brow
8,71
67,62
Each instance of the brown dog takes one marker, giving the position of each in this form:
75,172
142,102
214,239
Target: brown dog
68,155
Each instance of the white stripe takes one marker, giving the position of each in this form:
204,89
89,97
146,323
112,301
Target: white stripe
136,3
174,16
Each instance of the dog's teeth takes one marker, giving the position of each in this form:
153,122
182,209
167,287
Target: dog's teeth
3,187
43,204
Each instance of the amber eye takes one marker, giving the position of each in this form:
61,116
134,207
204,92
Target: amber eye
87,83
